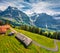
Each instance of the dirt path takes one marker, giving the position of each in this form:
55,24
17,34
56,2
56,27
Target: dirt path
13,30
51,49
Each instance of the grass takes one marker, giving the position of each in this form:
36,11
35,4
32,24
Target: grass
39,38
42,40
9,44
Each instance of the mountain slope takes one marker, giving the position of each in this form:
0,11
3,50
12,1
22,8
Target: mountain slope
44,19
15,13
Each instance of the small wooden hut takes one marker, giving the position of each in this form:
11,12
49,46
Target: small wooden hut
24,39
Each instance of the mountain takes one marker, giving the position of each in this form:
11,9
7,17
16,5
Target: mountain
15,13
17,17
33,16
56,15
0,11
43,19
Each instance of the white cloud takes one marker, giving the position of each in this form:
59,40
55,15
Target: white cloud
43,7
39,7
10,4
28,12
2,8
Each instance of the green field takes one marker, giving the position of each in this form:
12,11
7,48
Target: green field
39,38
9,44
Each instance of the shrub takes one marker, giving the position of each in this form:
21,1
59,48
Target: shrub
55,35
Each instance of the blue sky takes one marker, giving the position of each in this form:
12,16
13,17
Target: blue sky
50,7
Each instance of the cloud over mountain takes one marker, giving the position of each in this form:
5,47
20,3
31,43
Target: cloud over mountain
29,6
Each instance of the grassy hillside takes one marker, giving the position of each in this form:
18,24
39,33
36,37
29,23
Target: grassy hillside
39,38
10,21
9,44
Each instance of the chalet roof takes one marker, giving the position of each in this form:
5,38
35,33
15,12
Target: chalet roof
4,28
26,40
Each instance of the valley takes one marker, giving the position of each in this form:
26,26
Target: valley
41,28
11,44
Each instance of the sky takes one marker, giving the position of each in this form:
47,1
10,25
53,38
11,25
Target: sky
50,7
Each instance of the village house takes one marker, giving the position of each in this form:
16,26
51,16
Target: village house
4,28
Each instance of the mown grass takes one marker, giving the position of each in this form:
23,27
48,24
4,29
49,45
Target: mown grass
42,40
58,43
39,38
9,44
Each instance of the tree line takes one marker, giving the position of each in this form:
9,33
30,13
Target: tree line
4,22
33,29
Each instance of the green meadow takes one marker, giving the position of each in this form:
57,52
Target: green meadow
9,44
